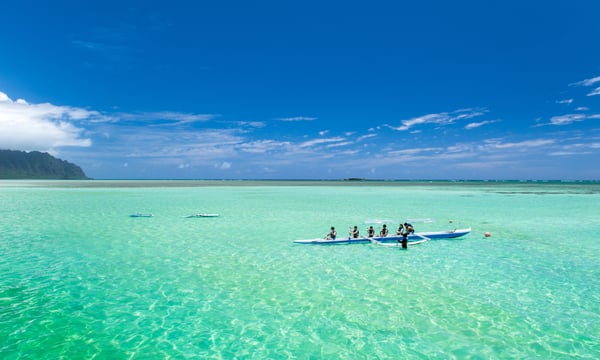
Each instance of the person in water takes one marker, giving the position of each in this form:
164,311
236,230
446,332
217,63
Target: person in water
371,232
332,234
354,232
384,231
408,229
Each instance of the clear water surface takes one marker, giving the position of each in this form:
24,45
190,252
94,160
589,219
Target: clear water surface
79,278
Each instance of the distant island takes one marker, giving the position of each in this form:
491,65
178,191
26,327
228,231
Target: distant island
37,165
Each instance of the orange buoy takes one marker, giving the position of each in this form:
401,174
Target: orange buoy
487,234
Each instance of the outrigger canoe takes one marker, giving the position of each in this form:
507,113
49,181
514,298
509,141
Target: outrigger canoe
141,215
414,238
202,215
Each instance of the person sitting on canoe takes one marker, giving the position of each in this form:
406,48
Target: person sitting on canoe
332,234
371,232
400,230
384,231
409,228
354,232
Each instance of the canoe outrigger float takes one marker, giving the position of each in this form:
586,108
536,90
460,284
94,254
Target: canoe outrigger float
413,239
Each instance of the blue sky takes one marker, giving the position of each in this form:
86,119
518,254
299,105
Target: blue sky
305,89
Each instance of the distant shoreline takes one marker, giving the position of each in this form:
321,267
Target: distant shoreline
293,182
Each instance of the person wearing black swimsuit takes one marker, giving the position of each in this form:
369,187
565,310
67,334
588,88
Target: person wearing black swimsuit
371,232
332,234
354,232
384,231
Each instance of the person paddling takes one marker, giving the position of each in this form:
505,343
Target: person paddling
332,234
384,231
354,232
371,231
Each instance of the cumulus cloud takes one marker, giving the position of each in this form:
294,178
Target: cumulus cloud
43,127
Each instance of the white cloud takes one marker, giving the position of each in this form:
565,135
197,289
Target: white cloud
4,97
253,124
363,137
263,146
172,118
576,149
568,153
43,127
344,143
297,118
571,118
444,118
413,151
223,166
523,144
565,101
320,141
587,82
596,91
478,124
566,119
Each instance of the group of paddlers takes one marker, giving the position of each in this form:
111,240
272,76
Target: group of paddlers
403,230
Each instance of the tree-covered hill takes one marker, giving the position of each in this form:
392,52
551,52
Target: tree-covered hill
36,165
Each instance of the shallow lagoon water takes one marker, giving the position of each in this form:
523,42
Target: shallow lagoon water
79,278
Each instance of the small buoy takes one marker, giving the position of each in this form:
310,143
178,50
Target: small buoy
487,234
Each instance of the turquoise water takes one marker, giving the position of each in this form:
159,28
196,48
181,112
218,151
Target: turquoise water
79,278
